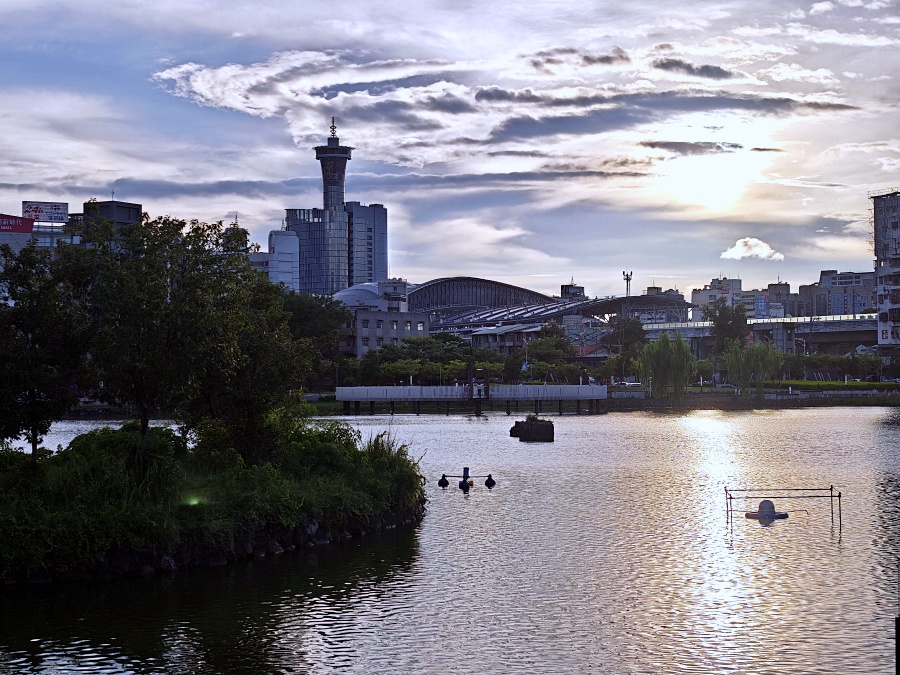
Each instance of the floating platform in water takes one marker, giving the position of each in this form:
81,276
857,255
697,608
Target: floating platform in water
533,430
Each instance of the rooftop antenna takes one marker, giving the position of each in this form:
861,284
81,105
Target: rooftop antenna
113,195
627,277
333,129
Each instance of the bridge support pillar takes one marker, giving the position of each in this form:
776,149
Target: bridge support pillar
371,407
560,406
508,408
477,407
392,407
356,407
347,407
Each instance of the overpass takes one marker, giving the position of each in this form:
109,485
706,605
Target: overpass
792,334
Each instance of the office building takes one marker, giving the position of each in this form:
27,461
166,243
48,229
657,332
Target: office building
838,293
343,243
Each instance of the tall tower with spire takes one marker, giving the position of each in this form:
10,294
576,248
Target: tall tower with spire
333,157
344,243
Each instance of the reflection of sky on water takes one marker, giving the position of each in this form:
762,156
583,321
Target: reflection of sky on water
607,550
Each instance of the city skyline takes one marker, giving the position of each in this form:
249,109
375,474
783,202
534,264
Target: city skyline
529,145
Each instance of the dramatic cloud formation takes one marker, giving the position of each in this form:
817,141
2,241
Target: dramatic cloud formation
751,247
530,144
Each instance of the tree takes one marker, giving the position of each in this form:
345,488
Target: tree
169,305
271,366
552,347
512,366
729,322
671,365
757,362
626,335
317,318
42,339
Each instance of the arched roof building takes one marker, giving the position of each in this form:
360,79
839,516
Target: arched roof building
459,295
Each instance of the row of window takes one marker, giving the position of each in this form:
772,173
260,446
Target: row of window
380,341
407,325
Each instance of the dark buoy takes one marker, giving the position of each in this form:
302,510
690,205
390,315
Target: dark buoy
464,486
443,482
490,482
766,514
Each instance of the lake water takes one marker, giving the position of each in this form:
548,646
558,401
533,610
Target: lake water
607,551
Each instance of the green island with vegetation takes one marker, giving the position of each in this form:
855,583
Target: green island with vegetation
166,317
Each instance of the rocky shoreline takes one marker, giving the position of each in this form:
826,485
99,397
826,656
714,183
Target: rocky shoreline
267,540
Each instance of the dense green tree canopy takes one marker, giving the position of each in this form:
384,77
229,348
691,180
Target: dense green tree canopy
317,318
43,333
670,364
729,322
626,335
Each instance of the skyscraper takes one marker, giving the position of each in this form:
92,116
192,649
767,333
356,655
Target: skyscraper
343,243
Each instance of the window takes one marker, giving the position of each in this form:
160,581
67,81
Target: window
420,325
380,341
395,341
365,342
408,325
393,325
379,324
365,323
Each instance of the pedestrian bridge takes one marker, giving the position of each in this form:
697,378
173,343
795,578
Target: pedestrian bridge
475,394
494,392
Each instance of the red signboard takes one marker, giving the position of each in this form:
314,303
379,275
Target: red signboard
16,224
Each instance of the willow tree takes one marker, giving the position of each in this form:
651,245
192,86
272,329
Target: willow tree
669,364
756,363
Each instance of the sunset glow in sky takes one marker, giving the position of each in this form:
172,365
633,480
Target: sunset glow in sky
530,143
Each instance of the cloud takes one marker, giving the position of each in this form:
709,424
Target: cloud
783,72
820,8
685,149
617,55
682,66
751,247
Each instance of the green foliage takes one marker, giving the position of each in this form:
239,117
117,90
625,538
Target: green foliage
626,336
43,338
512,366
318,319
111,488
756,363
670,364
729,322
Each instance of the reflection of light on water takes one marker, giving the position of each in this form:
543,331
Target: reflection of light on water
711,436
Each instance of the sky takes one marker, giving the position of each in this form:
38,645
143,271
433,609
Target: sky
530,143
